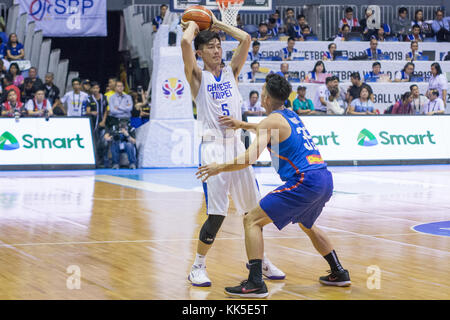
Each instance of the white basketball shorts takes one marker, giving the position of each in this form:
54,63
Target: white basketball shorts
241,185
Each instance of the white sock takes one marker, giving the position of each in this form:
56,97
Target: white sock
200,261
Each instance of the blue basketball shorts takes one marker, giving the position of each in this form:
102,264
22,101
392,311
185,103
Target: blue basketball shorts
300,200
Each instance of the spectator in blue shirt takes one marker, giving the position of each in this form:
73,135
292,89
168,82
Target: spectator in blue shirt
415,35
414,53
255,55
158,20
273,28
289,50
120,103
14,49
441,27
375,74
263,32
373,53
2,49
250,77
362,105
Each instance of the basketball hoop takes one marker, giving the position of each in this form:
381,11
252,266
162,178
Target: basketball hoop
229,10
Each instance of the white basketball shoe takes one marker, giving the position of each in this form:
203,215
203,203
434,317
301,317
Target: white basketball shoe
270,271
199,277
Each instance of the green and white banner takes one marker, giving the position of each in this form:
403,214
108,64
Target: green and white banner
34,141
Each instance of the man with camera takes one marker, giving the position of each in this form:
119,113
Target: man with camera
118,129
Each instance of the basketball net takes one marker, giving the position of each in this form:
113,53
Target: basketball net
229,10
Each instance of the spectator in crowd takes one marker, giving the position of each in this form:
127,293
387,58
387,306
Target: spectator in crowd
111,89
379,35
301,22
296,33
26,90
14,49
86,86
447,57
436,105
255,55
263,32
252,107
284,70
354,91
37,83
250,76
414,53
308,34
376,74
2,49
273,28
415,35
276,16
438,81
373,53
75,101
158,20
8,84
333,106
363,104
418,19
2,69
348,19
342,35
403,106
418,100
120,104
405,74
318,73
441,27
367,33
5,66
301,104
401,25
141,105
52,95
122,137
289,20
329,55
289,50
15,72
11,104
39,106
322,94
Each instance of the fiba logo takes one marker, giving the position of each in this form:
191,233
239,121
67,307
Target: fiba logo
173,88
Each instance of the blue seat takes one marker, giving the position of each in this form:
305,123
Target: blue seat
429,39
250,28
275,58
311,38
391,39
341,58
298,59
422,58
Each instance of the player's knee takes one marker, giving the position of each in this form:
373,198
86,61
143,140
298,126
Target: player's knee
210,229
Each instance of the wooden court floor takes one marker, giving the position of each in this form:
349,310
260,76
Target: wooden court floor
102,236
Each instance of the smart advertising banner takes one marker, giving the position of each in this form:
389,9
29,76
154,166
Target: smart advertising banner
35,143
377,139
67,18
314,50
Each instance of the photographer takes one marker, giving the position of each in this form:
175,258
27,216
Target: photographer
122,137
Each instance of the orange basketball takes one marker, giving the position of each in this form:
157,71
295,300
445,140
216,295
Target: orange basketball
199,15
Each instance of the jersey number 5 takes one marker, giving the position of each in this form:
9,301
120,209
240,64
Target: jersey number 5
225,110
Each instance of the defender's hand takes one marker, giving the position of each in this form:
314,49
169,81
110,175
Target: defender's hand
230,122
204,172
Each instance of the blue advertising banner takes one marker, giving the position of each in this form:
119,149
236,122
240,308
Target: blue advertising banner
67,18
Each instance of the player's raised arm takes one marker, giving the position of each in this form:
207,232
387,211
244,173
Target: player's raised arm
191,69
241,53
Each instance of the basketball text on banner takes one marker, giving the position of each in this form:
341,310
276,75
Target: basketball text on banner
67,18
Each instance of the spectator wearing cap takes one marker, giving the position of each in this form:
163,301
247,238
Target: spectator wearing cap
289,50
263,32
15,72
436,105
14,49
301,104
255,55
415,35
329,55
158,20
402,24
354,91
37,83
252,107
120,103
373,53
86,86
414,53
349,19
363,104
438,81
405,74
75,100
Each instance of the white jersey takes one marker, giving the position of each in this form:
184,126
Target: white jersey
217,97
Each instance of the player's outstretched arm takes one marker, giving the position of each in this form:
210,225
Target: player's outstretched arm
237,124
241,53
191,69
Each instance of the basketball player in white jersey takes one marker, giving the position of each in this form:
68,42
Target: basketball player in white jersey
216,94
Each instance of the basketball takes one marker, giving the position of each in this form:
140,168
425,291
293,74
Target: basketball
199,15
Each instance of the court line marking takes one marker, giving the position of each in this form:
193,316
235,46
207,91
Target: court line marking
13,247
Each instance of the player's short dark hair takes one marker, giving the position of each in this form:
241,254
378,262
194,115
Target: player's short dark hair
291,38
252,93
402,10
256,43
278,87
204,37
253,63
348,9
355,75
76,80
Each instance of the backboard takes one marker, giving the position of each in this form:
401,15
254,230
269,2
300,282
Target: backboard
249,5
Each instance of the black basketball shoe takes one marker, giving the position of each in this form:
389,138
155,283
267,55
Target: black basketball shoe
336,278
248,289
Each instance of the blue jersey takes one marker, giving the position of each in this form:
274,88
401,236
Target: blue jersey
298,153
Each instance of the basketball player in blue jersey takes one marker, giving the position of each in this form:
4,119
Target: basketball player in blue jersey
308,186
215,91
